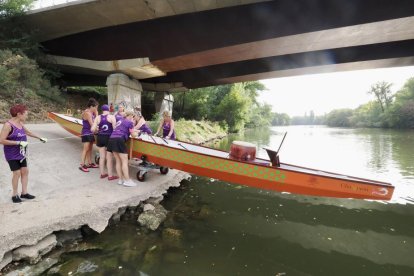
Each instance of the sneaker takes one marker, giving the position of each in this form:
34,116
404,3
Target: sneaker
130,183
27,196
105,175
83,168
16,199
93,166
120,182
112,177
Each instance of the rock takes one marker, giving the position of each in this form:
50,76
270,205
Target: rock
148,207
65,237
33,253
86,267
155,200
87,231
172,238
54,270
82,247
7,258
122,210
153,218
37,269
116,218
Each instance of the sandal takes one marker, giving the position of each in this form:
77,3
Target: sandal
83,168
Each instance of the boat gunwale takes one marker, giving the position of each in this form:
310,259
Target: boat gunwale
354,179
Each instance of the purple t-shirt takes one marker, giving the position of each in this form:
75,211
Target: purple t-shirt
13,152
105,127
118,117
145,128
122,129
86,126
166,127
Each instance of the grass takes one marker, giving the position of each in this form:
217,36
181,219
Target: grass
196,132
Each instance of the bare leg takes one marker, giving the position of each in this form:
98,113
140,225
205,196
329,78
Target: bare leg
109,164
89,153
84,152
25,179
102,158
15,181
118,165
124,162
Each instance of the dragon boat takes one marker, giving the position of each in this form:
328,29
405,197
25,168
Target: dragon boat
269,174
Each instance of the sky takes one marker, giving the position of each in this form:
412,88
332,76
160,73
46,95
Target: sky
324,92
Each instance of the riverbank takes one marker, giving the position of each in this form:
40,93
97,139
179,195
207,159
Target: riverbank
66,198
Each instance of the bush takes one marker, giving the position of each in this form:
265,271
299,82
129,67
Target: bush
22,81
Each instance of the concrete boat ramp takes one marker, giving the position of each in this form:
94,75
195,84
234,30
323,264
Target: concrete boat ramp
66,198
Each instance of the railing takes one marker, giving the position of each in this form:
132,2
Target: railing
41,4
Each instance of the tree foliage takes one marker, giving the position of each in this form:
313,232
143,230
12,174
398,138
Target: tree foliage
280,119
388,110
383,94
402,111
235,106
339,118
20,77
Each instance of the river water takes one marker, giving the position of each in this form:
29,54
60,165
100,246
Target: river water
227,229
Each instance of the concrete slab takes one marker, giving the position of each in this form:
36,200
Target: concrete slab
66,198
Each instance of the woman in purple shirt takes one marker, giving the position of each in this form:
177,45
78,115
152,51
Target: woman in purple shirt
141,125
104,124
14,138
88,116
120,113
116,145
167,125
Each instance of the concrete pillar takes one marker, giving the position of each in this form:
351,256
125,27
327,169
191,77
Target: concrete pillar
123,90
163,101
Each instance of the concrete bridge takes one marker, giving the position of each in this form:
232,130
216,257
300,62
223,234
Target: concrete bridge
170,45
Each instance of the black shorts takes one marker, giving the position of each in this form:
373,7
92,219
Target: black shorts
117,145
16,165
88,138
102,140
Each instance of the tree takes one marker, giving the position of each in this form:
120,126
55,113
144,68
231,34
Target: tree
261,115
280,119
234,108
10,8
339,118
252,88
402,112
382,93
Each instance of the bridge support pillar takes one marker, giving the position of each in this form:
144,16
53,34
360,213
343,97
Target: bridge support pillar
123,90
163,101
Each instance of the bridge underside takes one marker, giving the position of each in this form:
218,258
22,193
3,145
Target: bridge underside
239,43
